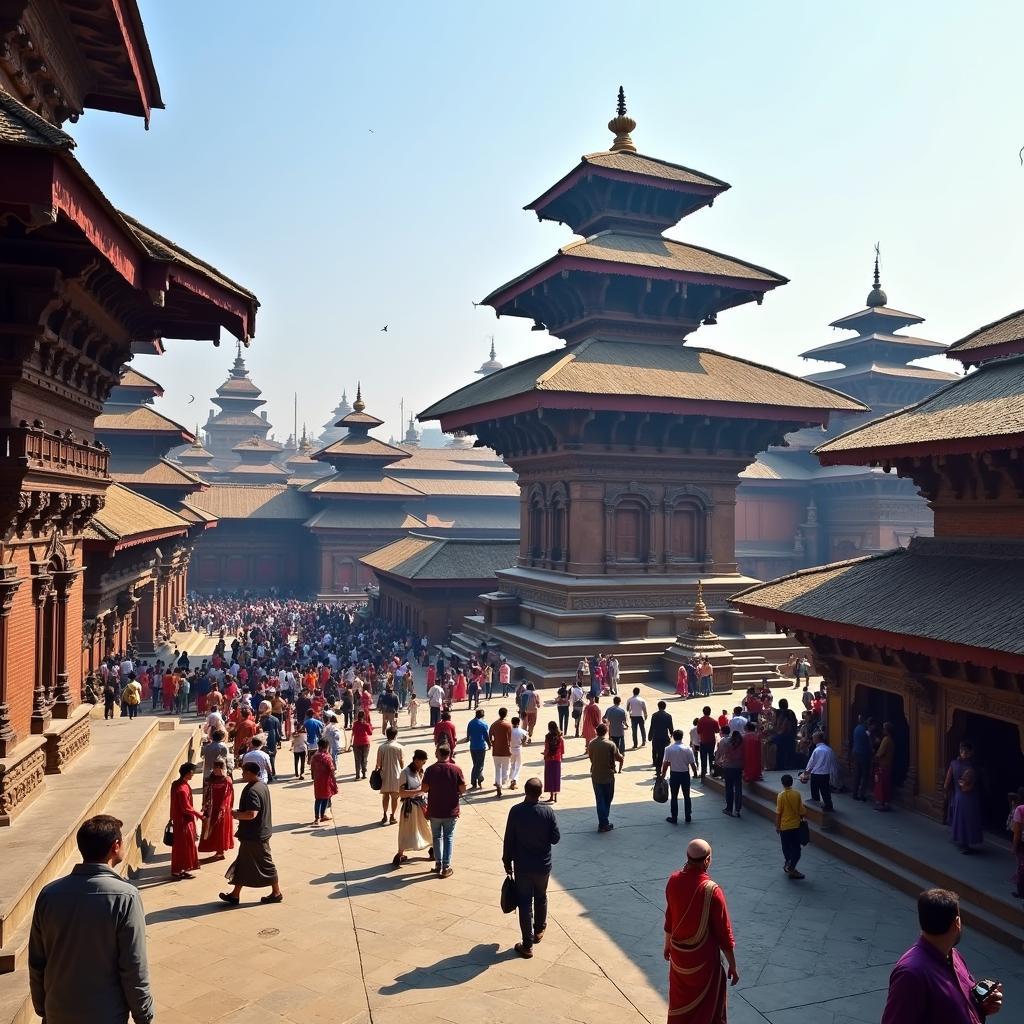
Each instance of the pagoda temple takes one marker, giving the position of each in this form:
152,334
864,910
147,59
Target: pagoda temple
930,637
256,463
628,442
332,431
791,512
237,398
491,365
92,286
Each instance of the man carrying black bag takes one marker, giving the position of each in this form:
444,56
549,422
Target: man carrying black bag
530,832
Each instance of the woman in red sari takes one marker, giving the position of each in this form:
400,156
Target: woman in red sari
698,933
218,800
184,855
325,783
682,688
591,719
752,759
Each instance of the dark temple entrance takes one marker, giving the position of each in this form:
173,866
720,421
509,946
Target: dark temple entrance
883,706
998,756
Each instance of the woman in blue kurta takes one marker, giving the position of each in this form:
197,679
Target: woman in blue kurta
964,800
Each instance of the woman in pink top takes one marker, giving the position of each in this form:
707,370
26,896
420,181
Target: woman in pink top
554,750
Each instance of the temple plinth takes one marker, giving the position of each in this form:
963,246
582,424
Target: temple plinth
699,640
627,442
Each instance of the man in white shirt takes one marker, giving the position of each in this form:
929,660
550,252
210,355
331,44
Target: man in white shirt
613,675
679,762
738,722
519,737
435,698
820,766
577,700
636,708
258,756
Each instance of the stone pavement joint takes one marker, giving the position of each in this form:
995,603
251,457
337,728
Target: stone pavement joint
441,950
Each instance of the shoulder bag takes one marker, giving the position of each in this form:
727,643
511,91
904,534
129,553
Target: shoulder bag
509,897
376,780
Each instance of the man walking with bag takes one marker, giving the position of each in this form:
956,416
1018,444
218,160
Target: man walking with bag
530,831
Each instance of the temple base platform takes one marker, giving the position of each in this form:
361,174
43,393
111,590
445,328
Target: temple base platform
125,771
905,849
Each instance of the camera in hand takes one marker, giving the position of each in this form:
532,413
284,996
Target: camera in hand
983,989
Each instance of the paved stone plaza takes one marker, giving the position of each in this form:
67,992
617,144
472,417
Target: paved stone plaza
358,940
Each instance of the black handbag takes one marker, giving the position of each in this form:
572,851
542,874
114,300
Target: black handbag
805,832
509,897
169,834
376,780
661,790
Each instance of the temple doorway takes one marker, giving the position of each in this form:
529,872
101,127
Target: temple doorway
883,706
997,752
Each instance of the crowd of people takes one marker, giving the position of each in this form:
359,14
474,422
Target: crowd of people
314,678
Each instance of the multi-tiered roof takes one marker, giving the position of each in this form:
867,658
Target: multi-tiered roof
877,361
331,430
237,398
624,298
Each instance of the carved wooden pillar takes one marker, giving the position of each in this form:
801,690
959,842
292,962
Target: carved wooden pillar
42,586
63,582
9,584
609,534
667,509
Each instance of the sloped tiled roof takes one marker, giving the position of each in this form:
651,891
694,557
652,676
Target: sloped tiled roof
240,419
364,517
267,469
652,167
682,372
355,446
132,378
257,444
139,472
984,410
253,501
452,460
432,558
469,488
1006,334
385,487
907,593
126,514
905,344
141,419
20,126
164,249
199,515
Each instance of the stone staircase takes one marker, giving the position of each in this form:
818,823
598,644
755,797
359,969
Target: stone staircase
126,771
906,850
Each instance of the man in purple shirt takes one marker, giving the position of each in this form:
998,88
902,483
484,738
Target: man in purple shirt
931,982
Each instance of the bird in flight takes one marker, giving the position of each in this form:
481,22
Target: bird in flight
191,399
384,328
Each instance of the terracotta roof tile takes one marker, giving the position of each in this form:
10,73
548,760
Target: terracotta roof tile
682,372
20,126
464,487
431,558
386,487
131,378
1007,331
652,167
253,501
126,514
988,403
871,593
142,418
139,472
355,446
364,517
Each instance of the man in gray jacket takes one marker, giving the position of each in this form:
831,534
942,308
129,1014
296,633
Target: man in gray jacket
87,949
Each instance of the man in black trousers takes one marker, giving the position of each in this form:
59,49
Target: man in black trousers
530,832
660,733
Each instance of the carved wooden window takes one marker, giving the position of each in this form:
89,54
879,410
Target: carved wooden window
686,533
536,529
630,532
558,538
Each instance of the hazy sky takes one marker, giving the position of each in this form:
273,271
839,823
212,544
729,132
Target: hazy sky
361,165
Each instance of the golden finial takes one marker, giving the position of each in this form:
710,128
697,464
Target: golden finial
699,621
621,125
359,405
198,442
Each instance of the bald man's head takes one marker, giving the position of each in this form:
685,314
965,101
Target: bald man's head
698,851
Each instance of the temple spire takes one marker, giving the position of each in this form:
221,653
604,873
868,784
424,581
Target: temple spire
359,405
876,297
621,125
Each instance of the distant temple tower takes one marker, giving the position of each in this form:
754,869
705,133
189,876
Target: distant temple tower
628,443
237,398
492,365
791,511
331,431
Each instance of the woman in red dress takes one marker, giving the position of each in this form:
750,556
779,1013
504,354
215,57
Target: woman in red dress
325,784
184,855
591,718
218,800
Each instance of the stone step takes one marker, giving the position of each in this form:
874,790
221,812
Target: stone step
140,800
34,849
920,864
